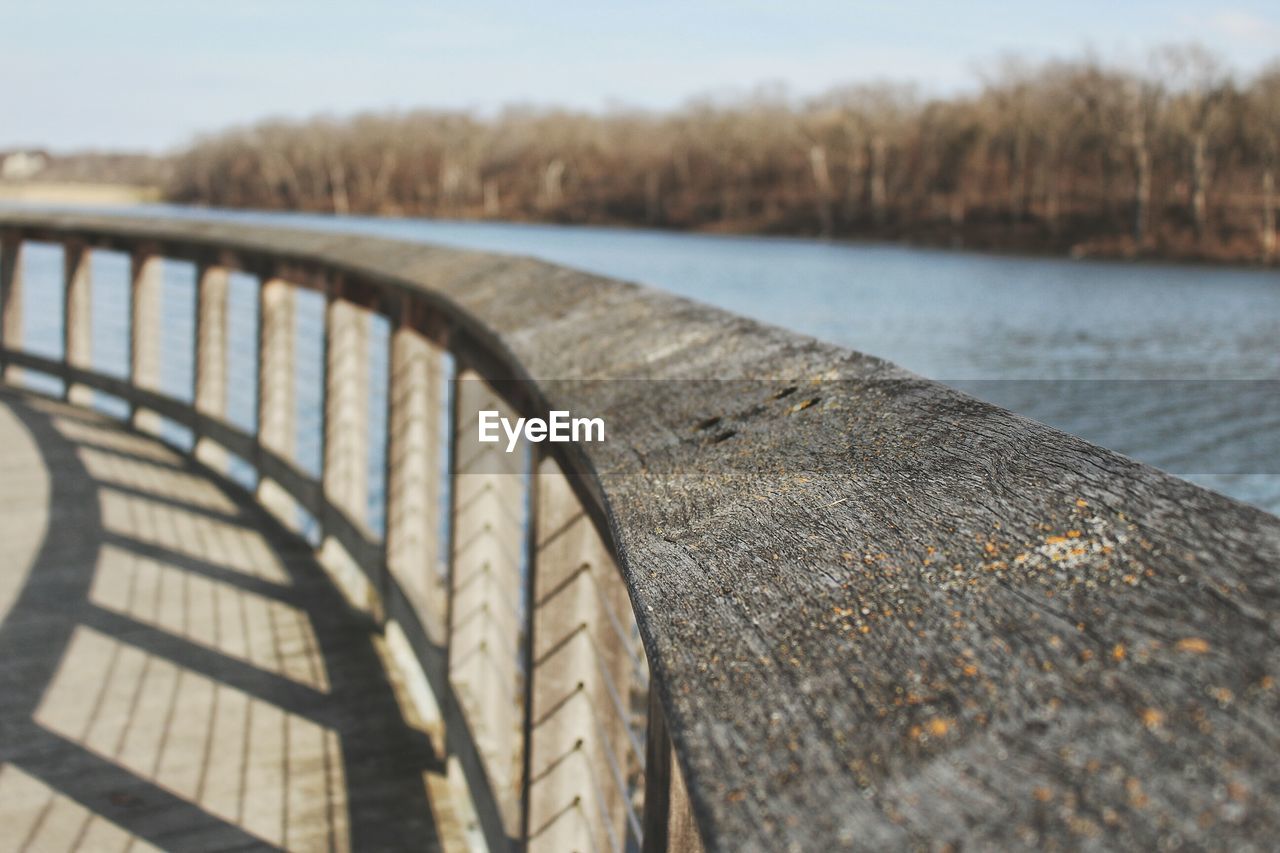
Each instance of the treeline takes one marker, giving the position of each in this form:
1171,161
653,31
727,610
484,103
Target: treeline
1079,156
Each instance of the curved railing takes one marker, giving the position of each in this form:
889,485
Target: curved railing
876,612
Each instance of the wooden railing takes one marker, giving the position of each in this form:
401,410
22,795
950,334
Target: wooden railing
877,612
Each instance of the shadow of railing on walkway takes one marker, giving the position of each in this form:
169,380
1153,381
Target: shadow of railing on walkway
178,666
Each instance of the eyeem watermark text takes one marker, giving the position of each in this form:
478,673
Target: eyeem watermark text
558,427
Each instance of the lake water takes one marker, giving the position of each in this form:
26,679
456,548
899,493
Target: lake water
1178,366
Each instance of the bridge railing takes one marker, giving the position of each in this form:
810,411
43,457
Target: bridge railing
875,611
485,564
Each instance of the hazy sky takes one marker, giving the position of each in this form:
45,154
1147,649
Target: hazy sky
152,73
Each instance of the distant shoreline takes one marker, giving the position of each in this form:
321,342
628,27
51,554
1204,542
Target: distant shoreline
990,242
68,192
980,240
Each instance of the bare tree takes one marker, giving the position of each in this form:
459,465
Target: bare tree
1200,87
1262,132
1080,156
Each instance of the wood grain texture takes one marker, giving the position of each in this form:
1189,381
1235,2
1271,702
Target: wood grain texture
881,613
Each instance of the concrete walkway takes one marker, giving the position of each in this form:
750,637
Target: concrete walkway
175,670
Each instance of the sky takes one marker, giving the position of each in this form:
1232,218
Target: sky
152,74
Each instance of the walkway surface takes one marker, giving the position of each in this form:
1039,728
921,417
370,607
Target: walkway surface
176,672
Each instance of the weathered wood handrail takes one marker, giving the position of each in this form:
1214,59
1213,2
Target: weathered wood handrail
877,612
